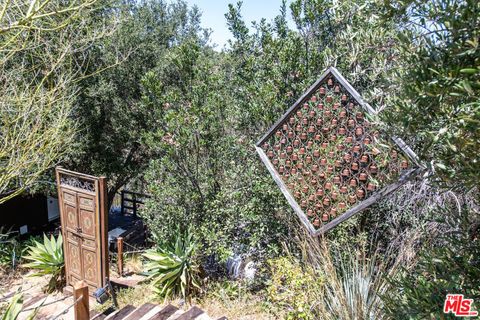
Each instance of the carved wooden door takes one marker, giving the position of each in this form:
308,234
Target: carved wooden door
84,227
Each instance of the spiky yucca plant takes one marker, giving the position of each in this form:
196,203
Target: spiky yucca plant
173,267
47,258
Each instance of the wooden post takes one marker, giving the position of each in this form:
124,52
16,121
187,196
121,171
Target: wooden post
81,308
120,256
122,199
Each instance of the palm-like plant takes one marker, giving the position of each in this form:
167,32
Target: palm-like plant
173,268
47,258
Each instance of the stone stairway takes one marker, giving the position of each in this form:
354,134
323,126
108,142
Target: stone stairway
149,311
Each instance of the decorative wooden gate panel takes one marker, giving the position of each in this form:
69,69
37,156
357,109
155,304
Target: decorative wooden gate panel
84,217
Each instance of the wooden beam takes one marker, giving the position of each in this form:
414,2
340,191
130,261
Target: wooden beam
81,307
120,256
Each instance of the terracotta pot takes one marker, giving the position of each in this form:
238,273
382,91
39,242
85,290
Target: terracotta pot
342,205
330,82
355,166
292,120
270,154
358,131
276,147
351,123
324,217
309,144
328,186
281,169
349,139
329,99
315,168
303,204
316,223
291,134
373,169
299,113
353,183
342,131
289,149
310,213
308,159
367,140
311,129
344,98
288,163
316,153
364,158
333,212
345,172
319,121
305,121
360,193
313,99
318,137
326,201
283,155
324,145
320,106
321,90
323,161
296,142
352,199
343,189
312,114
336,180
329,169
302,150
363,176
336,106
298,128
294,170
319,193
303,136
404,164
371,187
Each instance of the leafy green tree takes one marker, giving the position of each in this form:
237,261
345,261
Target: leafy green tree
109,111
437,102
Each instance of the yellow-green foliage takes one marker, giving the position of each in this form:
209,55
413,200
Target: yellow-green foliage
290,287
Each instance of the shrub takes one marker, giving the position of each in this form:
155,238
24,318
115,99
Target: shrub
47,259
173,267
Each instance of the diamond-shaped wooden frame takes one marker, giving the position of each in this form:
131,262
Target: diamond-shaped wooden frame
333,73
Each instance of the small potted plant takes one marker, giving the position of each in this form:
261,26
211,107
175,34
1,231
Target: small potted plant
313,98
342,131
276,147
270,154
364,158
330,82
278,133
343,189
303,204
309,144
283,155
321,91
373,168
327,113
360,193
324,145
289,149
355,166
308,159
303,136
299,113
345,172
319,206
352,199
329,99
404,164
315,168
367,140
297,194
349,139
290,134
319,192
326,201
333,212
351,123
294,170
335,106
298,128
347,157
313,182
312,113
318,137
336,180
363,176
300,165
333,138
356,150
331,154
342,114
324,218
310,213
334,195
358,131
353,182
283,141
281,169
321,175
302,150
371,186
342,205
275,161
325,130
344,98
320,106
305,189
311,129
329,169
328,186
319,121
295,157
291,120
317,223
316,153
359,115
296,142
351,105
337,89
337,164
334,123
305,121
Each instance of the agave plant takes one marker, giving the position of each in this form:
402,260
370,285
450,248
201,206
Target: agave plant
173,268
47,258
14,308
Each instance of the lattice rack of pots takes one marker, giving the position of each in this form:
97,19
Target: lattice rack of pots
328,159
